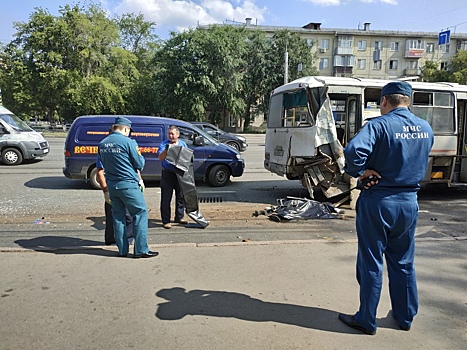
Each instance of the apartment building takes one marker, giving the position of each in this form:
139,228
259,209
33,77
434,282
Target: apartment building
377,54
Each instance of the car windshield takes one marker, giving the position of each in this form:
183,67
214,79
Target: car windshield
205,135
15,122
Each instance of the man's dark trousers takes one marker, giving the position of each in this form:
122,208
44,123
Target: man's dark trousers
169,184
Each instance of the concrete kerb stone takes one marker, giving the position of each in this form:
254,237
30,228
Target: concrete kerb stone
218,244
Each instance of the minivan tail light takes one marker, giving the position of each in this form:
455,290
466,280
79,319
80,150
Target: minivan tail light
67,153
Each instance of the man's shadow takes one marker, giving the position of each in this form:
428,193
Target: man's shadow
65,245
230,304
98,222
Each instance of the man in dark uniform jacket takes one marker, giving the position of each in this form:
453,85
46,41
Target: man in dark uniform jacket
122,160
394,148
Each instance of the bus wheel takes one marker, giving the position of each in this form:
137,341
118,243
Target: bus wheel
12,156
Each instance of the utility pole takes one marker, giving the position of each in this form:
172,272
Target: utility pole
286,66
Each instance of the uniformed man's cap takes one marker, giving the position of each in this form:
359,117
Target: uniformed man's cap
397,87
123,121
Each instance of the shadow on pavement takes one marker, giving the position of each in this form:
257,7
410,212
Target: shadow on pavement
57,183
241,306
65,245
98,222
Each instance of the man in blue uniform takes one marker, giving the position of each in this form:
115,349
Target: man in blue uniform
109,237
169,181
121,160
395,149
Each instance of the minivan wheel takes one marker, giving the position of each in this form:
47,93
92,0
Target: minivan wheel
12,156
93,179
219,175
233,145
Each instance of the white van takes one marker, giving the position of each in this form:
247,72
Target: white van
18,141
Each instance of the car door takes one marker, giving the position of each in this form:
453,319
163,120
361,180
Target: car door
188,135
149,137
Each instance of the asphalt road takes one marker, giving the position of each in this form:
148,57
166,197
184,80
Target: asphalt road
71,212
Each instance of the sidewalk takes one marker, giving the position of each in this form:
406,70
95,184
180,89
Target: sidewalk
214,296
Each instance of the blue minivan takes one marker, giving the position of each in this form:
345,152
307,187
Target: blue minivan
213,162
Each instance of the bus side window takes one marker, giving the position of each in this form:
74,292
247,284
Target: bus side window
352,116
437,108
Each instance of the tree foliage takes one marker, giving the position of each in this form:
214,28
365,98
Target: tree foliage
458,67
432,73
455,72
71,64
83,62
225,70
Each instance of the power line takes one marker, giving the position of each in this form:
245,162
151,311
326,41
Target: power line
455,25
438,14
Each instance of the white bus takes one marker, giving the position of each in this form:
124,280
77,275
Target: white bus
312,118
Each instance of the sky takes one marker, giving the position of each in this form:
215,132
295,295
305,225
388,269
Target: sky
178,15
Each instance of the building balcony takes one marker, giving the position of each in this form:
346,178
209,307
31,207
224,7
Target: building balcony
414,53
412,71
343,71
344,51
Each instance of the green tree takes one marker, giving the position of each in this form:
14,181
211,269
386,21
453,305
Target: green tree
36,74
458,67
299,53
202,70
70,64
226,48
136,34
137,37
432,73
256,82
183,76
226,70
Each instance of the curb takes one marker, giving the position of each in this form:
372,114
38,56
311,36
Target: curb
221,244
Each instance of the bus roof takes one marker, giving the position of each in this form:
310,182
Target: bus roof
317,81
300,83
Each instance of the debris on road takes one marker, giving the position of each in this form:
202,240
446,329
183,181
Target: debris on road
293,208
41,222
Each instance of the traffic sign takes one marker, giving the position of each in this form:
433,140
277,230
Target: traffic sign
444,37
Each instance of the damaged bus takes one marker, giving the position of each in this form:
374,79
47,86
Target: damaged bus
312,118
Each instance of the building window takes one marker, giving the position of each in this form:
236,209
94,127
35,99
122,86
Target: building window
412,64
309,42
430,48
416,44
323,63
444,66
378,45
345,41
463,45
344,61
324,44
362,45
393,64
394,46
445,48
361,63
377,65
